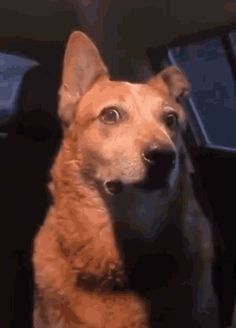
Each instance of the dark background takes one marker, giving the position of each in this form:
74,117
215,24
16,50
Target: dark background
133,37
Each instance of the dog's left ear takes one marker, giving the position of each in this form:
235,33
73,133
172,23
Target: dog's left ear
173,81
82,67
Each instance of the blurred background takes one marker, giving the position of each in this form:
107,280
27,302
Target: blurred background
136,38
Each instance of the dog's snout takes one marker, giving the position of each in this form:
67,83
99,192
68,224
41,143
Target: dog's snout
159,157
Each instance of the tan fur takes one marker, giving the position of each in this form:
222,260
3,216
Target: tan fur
77,256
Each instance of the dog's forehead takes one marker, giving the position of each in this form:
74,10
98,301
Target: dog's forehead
143,94
129,95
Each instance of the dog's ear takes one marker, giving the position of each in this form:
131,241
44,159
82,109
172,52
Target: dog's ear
172,80
81,68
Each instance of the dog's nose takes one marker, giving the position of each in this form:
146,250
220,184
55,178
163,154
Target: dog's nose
159,162
154,156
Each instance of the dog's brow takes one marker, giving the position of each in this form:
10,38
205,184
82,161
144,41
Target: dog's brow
122,107
133,96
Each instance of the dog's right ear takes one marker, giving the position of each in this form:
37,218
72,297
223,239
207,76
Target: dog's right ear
81,68
172,79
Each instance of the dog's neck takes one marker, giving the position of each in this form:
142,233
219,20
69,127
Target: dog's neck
141,213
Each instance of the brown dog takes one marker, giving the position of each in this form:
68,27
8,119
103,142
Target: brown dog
124,243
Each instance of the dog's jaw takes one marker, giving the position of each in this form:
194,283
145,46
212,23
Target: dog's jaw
144,211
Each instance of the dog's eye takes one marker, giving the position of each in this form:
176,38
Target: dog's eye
110,115
171,120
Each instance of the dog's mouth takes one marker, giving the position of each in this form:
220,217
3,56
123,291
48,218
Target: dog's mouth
148,184
153,182
151,185
113,187
156,178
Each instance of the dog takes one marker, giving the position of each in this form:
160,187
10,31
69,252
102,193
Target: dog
124,243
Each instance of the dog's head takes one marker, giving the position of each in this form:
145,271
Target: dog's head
125,134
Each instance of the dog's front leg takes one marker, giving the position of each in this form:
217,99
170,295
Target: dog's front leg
55,281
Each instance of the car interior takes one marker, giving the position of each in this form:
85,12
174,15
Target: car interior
135,37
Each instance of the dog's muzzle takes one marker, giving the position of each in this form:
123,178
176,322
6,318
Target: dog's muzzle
158,163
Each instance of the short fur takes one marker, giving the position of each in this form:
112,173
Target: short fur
135,259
